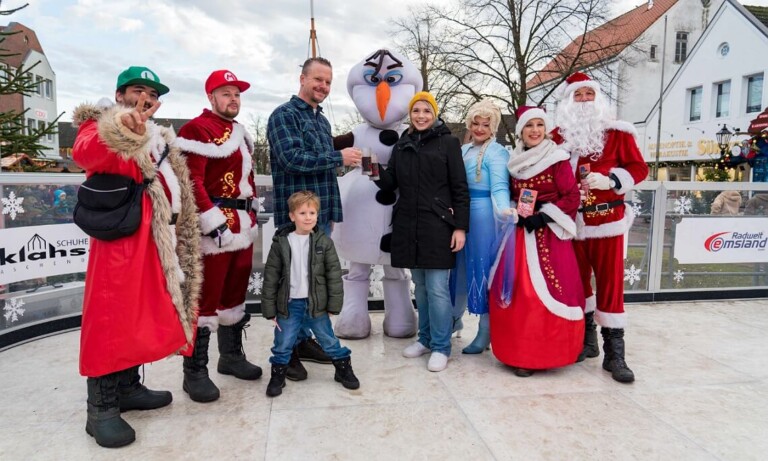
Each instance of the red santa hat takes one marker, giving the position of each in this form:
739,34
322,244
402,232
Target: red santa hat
525,114
219,78
575,81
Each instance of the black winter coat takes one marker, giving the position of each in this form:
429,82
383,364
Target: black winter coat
428,170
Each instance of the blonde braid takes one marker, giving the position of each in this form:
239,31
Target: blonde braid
479,167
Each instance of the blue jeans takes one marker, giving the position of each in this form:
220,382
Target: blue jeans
305,333
299,318
433,301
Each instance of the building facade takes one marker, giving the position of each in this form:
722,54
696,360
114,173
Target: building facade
25,51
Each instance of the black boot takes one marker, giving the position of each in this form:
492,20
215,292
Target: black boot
310,350
135,396
231,356
277,381
296,371
590,349
613,346
104,422
344,373
196,381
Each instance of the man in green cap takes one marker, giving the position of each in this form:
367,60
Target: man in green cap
140,290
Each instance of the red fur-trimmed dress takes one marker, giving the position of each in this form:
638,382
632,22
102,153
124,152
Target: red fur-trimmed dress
543,324
218,152
140,291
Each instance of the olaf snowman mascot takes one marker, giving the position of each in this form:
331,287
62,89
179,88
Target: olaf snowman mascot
381,86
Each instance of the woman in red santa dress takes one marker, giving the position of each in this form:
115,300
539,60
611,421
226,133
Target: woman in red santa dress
542,324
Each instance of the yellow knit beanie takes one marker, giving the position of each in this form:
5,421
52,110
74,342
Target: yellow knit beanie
423,96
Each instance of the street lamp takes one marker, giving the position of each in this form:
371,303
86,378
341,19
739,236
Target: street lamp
723,138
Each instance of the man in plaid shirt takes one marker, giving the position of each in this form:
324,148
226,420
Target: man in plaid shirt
302,158
301,147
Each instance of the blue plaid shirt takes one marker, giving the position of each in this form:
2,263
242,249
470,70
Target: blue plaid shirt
302,158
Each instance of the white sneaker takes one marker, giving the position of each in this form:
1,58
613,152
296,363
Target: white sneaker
415,350
437,362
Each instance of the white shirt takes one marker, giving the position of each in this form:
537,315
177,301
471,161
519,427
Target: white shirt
299,265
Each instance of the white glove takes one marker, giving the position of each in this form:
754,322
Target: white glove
225,238
511,213
598,181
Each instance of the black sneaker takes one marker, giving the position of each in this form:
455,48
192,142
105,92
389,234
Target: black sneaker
296,371
311,351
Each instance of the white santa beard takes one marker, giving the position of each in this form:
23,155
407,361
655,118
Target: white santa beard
582,125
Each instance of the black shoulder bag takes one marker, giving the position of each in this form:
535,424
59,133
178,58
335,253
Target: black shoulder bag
109,205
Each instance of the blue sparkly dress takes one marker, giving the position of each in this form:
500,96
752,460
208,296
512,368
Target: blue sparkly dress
488,190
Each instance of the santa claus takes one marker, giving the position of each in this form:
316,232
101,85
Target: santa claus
608,164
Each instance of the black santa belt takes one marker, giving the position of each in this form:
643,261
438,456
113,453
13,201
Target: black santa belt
234,203
601,206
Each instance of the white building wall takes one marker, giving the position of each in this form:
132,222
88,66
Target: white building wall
42,107
633,80
683,139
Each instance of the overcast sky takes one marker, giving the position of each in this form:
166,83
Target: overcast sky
88,43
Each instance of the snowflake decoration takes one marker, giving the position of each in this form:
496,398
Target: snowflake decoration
255,283
13,309
12,205
261,204
679,276
637,207
683,205
632,274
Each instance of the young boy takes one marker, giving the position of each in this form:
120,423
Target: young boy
302,285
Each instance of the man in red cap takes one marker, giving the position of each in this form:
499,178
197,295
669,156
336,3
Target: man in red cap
604,153
218,151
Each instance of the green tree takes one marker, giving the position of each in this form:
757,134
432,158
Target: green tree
15,136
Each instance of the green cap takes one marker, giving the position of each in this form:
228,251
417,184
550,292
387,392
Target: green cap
136,75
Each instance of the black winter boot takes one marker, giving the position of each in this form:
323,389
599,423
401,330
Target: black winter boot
344,373
296,371
277,381
104,422
590,349
196,381
135,396
231,356
311,351
613,346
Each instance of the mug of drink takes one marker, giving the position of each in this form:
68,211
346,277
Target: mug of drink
374,167
366,162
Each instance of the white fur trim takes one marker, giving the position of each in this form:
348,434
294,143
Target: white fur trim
529,115
211,322
241,240
621,125
564,227
591,304
211,219
608,320
232,315
530,166
566,90
610,229
211,150
540,284
246,191
626,180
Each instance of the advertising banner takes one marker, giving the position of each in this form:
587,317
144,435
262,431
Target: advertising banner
708,240
42,251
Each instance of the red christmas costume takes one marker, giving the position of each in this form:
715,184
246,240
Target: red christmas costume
219,156
600,239
543,326
149,315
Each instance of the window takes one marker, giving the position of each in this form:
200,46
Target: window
681,47
48,89
754,93
723,98
694,113
49,136
39,85
31,123
653,52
